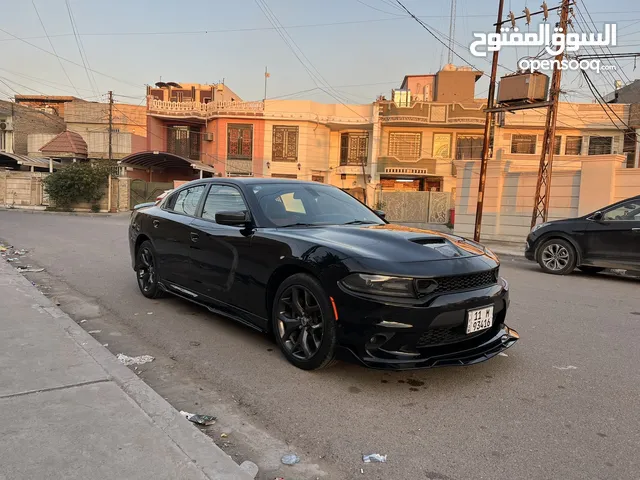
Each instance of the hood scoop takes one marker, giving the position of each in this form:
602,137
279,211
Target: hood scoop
429,241
442,246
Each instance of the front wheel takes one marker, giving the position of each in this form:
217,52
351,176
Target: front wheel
303,323
557,256
147,272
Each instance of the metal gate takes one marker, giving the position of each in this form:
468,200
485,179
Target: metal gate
141,191
419,208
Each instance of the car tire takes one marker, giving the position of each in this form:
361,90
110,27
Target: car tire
557,257
146,271
302,315
589,270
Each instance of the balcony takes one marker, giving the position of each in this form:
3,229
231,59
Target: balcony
205,110
430,113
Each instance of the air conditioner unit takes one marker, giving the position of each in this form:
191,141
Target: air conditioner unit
208,136
3,125
220,87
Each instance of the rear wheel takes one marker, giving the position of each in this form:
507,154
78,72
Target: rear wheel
557,256
590,270
146,271
303,323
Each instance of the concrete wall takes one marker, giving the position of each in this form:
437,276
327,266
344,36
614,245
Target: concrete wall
576,189
26,190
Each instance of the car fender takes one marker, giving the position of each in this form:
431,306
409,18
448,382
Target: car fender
562,235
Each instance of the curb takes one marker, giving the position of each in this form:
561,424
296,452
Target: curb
204,453
69,214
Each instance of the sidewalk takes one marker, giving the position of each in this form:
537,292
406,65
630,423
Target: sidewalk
69,409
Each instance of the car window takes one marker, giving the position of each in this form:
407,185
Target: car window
287,204
222,198
627,212
186,201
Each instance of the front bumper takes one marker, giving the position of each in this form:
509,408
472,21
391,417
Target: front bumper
530,249
396,337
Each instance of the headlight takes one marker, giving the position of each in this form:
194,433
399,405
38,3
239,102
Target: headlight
380,285
540,225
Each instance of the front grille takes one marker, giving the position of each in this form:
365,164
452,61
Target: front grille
444,335
458,282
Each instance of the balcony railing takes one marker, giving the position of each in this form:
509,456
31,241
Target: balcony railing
432,113
204,110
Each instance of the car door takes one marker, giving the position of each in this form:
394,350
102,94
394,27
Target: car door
614,239
219,252
171,234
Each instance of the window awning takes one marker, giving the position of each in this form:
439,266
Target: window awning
13,160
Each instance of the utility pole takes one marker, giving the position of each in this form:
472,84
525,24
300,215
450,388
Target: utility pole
110,125
543,186
452,30
487,131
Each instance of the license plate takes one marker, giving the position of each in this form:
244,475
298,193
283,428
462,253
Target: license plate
479,319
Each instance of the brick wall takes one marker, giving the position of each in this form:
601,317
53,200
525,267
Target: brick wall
29,121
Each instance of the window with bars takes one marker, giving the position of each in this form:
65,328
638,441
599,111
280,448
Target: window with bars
523,144
354,148
184,141
600,145
285,144
405,145
240,142
469,147
557,145
573,146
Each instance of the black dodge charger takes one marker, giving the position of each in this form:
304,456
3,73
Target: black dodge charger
325,274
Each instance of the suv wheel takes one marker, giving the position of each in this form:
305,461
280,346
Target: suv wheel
557,256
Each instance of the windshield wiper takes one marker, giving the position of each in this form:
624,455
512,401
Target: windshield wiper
298,224
360,222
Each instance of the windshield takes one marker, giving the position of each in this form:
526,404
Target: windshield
302,204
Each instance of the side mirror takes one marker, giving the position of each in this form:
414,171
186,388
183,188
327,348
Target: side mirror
380,213
233,219
597,216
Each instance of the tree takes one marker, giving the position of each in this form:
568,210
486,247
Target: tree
77,182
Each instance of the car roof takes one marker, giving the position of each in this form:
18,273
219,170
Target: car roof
259,180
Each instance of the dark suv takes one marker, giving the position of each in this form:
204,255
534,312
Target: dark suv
607,238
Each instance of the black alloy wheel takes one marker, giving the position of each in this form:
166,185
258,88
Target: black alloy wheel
146,271
303,323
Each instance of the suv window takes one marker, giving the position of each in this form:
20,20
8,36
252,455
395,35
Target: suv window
186,201
222,198
627,212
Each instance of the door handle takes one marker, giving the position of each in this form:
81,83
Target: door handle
194,237
156,223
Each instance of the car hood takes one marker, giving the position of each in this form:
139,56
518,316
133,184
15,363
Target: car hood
389,242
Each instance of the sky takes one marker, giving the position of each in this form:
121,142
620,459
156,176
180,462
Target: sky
346,51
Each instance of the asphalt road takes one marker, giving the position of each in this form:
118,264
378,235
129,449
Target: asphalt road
562,405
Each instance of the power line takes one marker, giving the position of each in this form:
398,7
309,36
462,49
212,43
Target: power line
69,61
52,47
85,61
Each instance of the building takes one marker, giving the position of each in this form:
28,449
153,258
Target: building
17,124
428,123
52,104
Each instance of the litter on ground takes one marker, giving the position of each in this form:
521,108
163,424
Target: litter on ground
568,367
199,419
127,360
94,331
374,458
290,459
